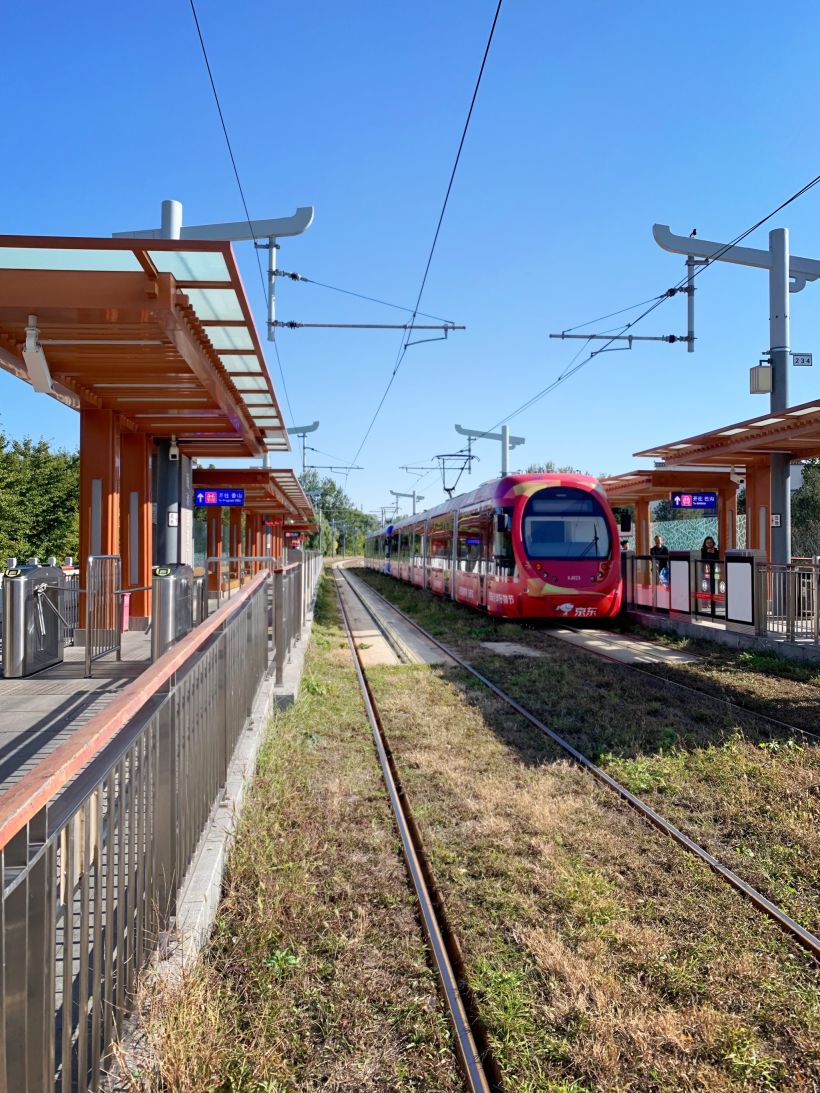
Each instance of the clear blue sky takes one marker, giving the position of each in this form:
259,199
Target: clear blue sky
593,122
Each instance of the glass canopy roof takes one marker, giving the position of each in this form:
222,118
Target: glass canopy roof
207,275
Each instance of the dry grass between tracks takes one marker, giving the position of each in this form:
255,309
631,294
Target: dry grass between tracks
748,793
604,959
316,977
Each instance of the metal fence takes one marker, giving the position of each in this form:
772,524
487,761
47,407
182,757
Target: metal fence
292,591
791,594
786,600
103,618
90,867
96,839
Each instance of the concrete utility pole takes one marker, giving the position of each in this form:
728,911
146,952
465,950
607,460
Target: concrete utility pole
415,496
786,274
504,437
236,231
302,431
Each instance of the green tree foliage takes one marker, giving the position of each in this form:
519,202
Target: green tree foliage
39,499
343,525
551,468
806,512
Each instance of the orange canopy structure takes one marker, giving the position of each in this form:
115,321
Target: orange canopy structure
747,447
153,342
275,504
640,488
159,332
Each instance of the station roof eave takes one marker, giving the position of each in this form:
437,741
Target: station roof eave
158,330
794,431
267,489
657,483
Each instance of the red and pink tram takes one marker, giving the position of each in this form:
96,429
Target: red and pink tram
524,546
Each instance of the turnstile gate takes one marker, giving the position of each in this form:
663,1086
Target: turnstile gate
32,619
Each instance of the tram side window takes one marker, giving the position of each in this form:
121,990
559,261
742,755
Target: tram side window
418,546
470,547
502,542
441,545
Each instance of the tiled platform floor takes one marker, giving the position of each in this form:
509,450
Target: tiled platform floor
40,712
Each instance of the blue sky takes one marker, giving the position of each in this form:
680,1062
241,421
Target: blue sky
593,122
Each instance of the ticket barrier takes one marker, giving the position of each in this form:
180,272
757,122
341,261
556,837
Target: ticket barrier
173,601
33,624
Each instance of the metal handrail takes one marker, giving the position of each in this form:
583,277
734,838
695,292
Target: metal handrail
96,839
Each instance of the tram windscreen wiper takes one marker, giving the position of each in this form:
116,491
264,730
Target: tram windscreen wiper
593,543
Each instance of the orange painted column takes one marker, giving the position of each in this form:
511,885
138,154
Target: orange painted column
214,547
727,522
235,538
248,536
136,530
758,508
99,490
642,527
257,540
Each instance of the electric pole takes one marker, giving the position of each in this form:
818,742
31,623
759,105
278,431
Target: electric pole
503,437
786,274
302,431
415,496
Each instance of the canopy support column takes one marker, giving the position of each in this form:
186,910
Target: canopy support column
136,531
214,547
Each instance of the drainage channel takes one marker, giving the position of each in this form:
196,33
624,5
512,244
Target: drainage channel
480,1069
797,932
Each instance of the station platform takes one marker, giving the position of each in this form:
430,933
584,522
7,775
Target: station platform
40,712
803,650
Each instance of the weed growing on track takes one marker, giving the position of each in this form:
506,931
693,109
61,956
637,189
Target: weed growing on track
316,977
750,794
604,959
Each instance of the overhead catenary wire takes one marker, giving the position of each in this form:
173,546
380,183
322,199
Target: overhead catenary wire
570,371
653,303
406,338
359,295
241,191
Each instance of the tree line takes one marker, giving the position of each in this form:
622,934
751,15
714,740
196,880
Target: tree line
39,500
343,526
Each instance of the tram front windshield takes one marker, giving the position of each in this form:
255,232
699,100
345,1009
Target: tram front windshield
565,523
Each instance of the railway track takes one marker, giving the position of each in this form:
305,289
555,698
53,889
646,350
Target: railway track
472,1047
798,933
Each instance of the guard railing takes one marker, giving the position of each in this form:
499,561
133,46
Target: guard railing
778,600
95,840
791,594
103,620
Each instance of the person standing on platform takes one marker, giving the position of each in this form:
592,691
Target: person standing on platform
659,553
709,550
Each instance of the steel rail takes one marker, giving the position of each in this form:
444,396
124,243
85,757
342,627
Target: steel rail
784,725
478,1066
799,933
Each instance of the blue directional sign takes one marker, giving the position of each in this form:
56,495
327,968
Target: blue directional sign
219,497
694,500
